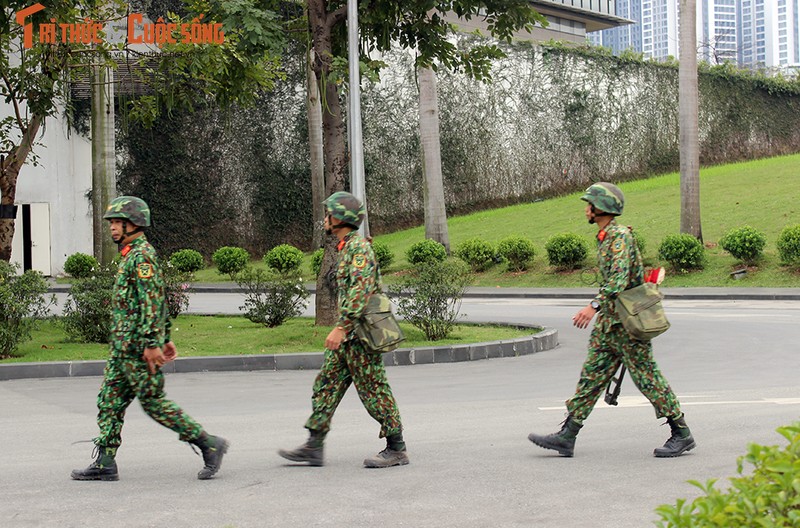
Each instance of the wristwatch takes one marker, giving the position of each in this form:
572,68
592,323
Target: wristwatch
596,305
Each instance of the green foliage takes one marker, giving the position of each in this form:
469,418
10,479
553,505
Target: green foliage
789,245
683,252
769,496
518,251
744,243
271,297
383,254
430,297
640,240
284,258
231,260
426,250
566,251
316,261
177,287
478,253
80,265
23,301
87,312
187,260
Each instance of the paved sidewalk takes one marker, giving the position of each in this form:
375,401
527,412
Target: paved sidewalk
744,293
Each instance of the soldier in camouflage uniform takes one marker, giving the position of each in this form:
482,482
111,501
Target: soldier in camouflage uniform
620,264
346,359
140,345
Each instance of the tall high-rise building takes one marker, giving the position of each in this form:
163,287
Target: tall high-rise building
751,33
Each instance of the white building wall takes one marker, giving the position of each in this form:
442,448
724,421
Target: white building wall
62,179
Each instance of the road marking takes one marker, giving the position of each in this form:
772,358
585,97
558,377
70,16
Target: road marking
642,402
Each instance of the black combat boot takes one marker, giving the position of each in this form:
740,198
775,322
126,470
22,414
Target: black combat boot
680,441
213,449
310,452
394,454
104,468
562,441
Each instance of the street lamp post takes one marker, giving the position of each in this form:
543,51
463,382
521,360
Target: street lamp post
357,186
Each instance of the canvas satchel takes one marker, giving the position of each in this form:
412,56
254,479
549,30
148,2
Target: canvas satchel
641,312
377,328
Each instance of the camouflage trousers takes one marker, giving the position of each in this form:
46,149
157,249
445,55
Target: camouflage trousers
610,345
126,378
353,364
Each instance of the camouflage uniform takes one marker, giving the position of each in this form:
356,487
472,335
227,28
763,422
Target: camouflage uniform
140,321
621,268
357,278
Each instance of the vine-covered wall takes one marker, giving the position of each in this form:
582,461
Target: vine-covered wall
553,120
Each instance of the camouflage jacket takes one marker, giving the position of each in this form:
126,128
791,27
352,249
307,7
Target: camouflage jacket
620,266
357,277
139,309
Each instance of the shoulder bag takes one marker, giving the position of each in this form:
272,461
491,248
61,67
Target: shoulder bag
377,328
641,312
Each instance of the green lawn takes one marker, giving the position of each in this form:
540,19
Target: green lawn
761,193
197,335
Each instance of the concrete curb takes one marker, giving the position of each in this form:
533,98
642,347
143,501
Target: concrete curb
547,339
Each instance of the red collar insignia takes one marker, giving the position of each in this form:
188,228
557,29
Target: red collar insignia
126,250
601,235
341,245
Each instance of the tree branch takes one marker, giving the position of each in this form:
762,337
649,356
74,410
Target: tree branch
334,17
13,97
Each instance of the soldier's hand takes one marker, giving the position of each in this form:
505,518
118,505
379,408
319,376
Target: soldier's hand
335,338
584,317
155,358
170,351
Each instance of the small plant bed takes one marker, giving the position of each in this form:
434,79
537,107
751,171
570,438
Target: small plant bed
197,335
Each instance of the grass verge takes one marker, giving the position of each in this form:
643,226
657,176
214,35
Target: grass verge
197,335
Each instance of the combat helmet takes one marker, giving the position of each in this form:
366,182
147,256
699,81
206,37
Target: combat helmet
346,208
605,197
130,208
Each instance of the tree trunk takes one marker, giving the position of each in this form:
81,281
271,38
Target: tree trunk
9,172
433,190
687,116
314,111
321,23
104,174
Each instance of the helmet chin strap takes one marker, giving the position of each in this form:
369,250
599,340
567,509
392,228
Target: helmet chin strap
126,233
593,218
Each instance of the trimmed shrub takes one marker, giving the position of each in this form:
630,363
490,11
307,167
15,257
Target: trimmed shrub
230,260
316,261
683,252
426,251
87,312
640,241
177,287
789,245
744,243
80,265
566,251
767,496
518,251
187,261
430,297
478,253
383,254
272,297
23,301
284,258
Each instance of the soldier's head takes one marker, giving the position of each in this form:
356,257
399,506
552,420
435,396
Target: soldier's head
343,211
127,217
604,199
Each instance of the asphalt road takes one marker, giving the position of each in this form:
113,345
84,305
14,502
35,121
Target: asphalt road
733,364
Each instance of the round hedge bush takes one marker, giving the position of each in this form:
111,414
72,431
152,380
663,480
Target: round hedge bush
518,251
426,251
683,252
383,254
640,241
284,258
566,251
744,243
80,265
230,260
478,253
187,260
789,245
316,261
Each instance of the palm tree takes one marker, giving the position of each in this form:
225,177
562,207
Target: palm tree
687,119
